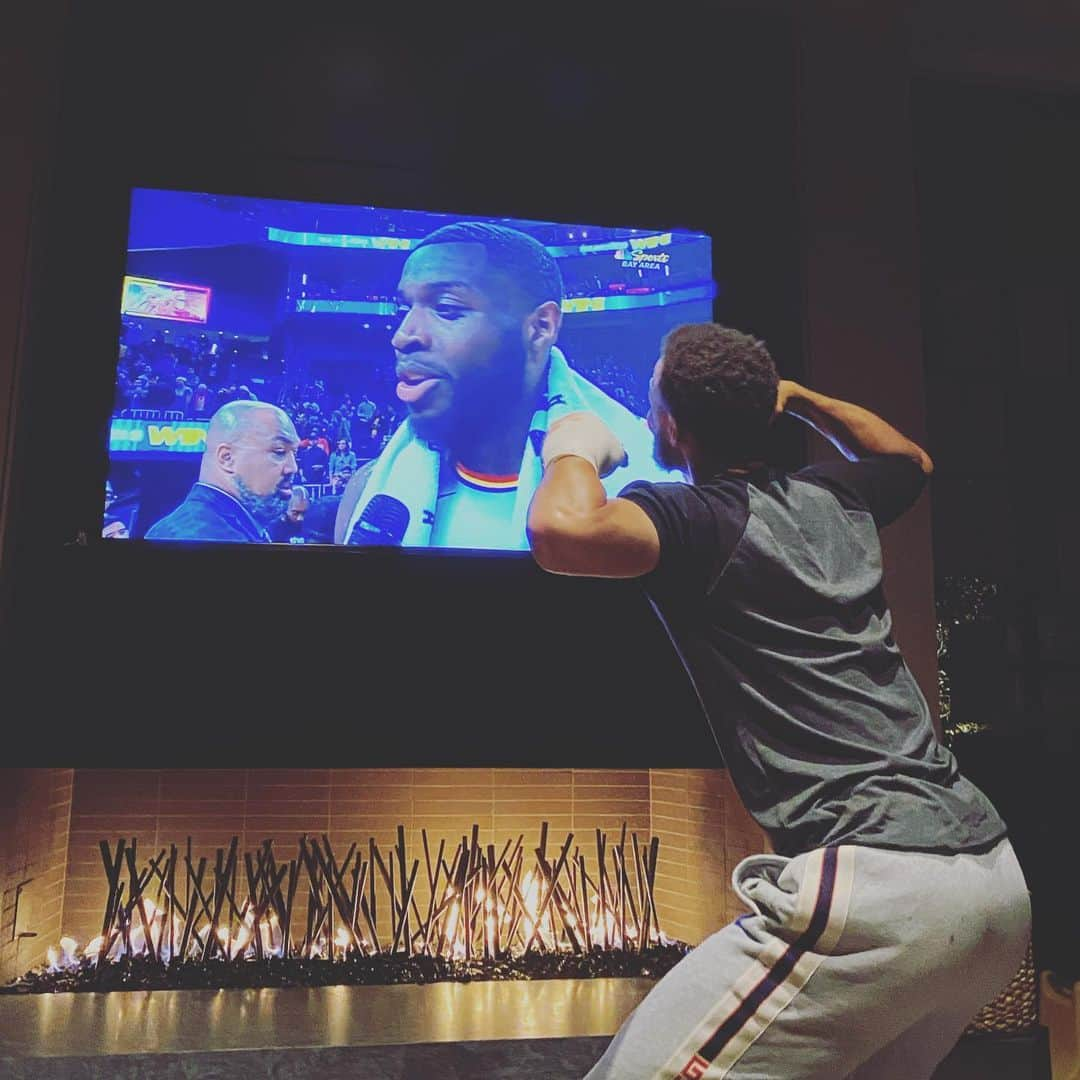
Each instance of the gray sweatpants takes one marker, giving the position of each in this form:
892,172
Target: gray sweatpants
858,962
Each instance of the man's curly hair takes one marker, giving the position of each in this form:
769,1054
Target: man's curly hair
720,386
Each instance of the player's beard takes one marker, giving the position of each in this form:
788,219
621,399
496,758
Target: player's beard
263,508
481,400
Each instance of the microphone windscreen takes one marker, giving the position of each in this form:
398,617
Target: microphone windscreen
382,523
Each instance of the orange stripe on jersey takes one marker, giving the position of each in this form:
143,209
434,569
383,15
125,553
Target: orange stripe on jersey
486,481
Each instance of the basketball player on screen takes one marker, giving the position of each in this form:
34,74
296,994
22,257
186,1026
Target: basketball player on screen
482,376
894,907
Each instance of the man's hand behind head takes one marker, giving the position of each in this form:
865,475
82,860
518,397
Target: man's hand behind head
785,391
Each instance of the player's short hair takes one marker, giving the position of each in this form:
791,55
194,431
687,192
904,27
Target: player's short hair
519,256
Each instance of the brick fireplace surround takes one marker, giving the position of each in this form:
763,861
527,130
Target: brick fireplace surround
53,882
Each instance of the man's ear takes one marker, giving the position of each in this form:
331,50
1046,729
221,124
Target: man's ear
225,458
542,325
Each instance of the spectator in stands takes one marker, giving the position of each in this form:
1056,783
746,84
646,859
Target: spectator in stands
339,481
365,410
340,428
182,394
140,390
201,402
342,458
245,478
289,528
373,436
321,439
480,372
122,393
159,394
319,520
135,394
313,459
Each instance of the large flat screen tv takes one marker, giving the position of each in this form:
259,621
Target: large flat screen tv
297,372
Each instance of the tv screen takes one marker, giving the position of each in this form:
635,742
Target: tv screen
370,376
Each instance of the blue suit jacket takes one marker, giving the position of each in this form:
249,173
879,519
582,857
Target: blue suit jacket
209,514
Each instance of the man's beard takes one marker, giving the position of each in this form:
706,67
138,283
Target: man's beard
665,455
263,508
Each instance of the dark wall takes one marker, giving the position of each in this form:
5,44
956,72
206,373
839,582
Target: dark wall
29,73
203,656
998,170
998,173
859,245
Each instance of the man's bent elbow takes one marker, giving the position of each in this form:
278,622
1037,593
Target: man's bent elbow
916,455
558,538
548,545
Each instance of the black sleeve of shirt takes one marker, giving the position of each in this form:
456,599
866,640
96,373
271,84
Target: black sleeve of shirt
886,485
698,529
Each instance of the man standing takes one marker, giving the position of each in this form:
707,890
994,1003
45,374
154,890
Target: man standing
365,410
480,372
245,478
313,458
894,907
182,394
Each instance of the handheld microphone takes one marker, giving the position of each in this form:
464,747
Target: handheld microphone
383,523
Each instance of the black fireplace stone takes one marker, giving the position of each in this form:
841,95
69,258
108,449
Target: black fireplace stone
546,1030
550,1028
517,1059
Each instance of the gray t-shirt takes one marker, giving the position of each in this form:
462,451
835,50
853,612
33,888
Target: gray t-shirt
770,585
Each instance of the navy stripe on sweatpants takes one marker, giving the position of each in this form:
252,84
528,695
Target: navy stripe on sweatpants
783,967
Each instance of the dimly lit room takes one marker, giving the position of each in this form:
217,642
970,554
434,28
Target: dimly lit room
536,544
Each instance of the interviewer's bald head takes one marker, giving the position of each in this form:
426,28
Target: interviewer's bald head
237,420
251,454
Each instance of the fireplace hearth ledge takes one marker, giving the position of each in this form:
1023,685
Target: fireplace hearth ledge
548,1028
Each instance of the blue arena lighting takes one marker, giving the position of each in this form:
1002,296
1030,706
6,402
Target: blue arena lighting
635,242
339,240
346,307
572,305
582,304
400,243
